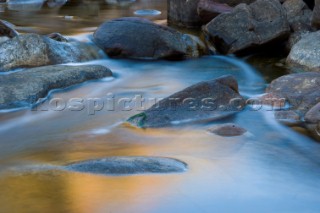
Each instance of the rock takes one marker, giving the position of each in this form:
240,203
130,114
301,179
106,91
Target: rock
32,50
7,29
25,5
312,119
129,166
227,130
24,88
288,117
300,90
299,15
209,9
56,3
119,38
184,13
57,37
248,26
208,100
305,53
295,38
316,15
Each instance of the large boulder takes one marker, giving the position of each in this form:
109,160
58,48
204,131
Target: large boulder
305,53
248,26
299,15
142,39
208,100
194,13
129,166
32,50
316,15
300,90
24,88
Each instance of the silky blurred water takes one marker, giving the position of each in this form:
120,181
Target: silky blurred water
270,169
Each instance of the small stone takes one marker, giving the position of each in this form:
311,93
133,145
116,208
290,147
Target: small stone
227,130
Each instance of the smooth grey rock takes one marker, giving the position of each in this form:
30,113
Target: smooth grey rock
301,90
248,27
288,117
32,50
142,39
305,53
129,166
227,130
24,88
208,100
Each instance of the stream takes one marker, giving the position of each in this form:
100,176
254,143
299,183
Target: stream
271,168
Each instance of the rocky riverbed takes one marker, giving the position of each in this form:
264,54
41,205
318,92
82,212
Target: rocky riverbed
162,99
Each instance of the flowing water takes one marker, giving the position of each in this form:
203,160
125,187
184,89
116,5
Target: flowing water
270,169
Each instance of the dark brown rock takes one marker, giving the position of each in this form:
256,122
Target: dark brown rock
208,100
227,130
248,27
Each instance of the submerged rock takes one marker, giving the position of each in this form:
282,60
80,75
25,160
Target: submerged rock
227,130
305,53
248,27
32,50
142,39
208,100
129,166
24,88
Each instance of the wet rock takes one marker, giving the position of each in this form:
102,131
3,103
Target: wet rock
32,50
57,37
185,13
227,130
24,88
299,15
209,9
25,5
129,166
208,100
312,119
300,90
316,15
56,3
7,29
248,27
288,117
119,38
305,53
